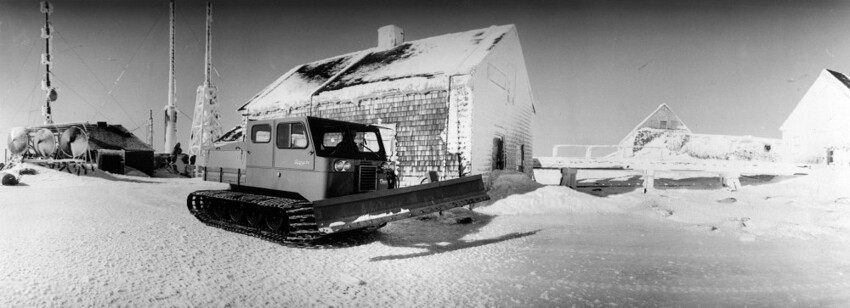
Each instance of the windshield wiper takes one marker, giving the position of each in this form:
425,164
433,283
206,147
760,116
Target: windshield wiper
367,147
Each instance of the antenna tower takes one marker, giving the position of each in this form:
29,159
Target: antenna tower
46,60
206,124
170,109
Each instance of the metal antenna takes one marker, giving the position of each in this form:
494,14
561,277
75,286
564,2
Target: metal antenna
206,124
46,59
171,109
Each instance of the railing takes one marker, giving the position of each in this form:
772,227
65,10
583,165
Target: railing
620,153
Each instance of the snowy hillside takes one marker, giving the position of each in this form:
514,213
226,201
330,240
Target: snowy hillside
108,240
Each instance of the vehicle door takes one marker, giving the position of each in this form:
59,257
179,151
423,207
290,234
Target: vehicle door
260,145
293,149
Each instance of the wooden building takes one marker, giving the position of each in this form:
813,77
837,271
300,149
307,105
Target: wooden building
818,129
662,118
456,104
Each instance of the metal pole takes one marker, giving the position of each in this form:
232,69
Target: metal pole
170,109
48,115
208,56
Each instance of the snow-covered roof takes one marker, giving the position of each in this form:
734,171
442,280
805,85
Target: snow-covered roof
407,66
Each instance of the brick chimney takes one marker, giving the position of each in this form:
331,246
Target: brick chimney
390,36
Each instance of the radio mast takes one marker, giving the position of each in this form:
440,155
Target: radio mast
46,60
206,125
170,108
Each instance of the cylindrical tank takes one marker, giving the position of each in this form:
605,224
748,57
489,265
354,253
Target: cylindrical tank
18,140
74,142
45,143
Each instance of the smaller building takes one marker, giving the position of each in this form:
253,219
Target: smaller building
663,118
663,136
112,139
818,129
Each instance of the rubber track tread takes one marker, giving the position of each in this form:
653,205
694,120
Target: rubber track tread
303,230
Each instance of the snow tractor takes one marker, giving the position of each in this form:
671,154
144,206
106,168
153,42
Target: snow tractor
294,180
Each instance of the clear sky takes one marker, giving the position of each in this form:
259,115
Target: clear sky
597,68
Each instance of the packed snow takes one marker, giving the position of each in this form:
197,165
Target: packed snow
113,240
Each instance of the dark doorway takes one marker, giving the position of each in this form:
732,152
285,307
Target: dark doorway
498,153
521,165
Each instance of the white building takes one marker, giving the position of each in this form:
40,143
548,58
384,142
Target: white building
662,118
456,104
818,129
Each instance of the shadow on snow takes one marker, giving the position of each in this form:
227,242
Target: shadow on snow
441,247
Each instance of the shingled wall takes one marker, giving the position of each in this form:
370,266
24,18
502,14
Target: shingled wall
420,119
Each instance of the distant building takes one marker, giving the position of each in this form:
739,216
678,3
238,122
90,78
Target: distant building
663,136
457,104
114,139
663,118
818,129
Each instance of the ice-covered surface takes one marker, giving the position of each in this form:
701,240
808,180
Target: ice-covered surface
296,86
677,145
410,66
107,240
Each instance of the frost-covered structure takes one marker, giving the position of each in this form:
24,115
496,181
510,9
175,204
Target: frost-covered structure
818,129
663,136
457,104
662,144
662,118
102,137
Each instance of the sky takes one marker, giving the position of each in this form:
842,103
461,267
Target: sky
597,68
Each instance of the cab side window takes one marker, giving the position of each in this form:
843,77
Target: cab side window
261,133
291,136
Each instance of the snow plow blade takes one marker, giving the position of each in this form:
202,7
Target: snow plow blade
376,208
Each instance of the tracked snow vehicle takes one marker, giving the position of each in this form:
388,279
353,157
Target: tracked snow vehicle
295,179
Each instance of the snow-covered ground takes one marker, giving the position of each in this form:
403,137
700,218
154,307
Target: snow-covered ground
108,240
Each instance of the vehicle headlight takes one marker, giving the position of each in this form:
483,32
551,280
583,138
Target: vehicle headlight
342,166
385,166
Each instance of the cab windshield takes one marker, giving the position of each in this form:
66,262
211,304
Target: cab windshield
347,140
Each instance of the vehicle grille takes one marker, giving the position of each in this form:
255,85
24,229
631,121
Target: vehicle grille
368,178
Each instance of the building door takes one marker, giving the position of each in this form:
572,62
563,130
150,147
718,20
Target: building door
520,166
498,158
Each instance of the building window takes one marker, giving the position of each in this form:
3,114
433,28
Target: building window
261,133
496,76
291,136
663,125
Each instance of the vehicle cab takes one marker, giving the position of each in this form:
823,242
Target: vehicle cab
314,157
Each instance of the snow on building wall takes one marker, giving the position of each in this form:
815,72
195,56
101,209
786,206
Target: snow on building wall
503,109
446,97
818,129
